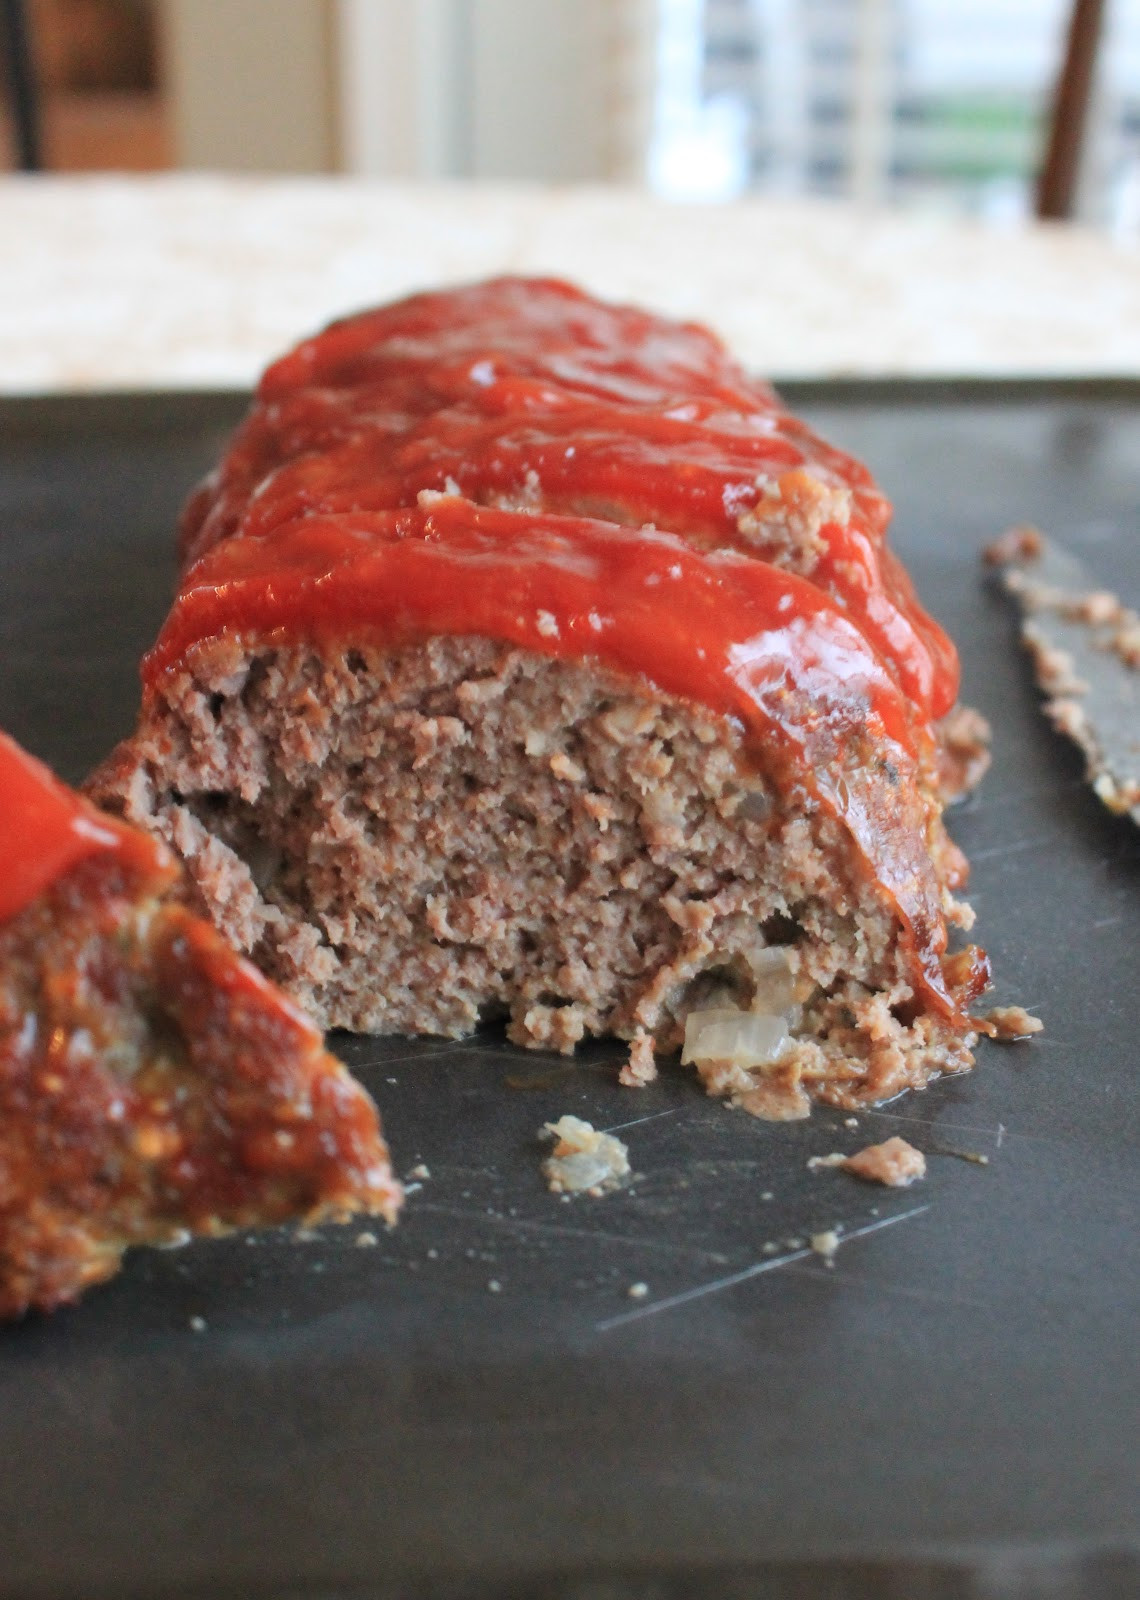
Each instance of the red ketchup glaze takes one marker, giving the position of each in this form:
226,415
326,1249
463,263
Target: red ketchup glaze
46,829
616,413
717,627
634,471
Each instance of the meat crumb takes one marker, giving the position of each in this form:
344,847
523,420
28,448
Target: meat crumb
1098,608
825,1244
964,738
641,1068
1016,544
637,1291
420,1172
1055,669
1126,643
1010,1022
584,1160
817,1163
363,1240
894,1163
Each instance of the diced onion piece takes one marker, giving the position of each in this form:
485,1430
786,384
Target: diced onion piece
583,1170
744,1038
583,1159
775,986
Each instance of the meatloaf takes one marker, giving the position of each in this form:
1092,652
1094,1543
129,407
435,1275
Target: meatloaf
531,662
152,1083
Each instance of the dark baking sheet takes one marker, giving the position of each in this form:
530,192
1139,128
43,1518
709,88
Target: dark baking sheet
473,1405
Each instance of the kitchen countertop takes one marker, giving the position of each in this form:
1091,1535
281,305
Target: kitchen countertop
194,281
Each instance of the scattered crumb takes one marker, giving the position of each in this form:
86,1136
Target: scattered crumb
851,1122
305,1235
363,1240
1023,543
1098,607
770,1248
1010,1022
494,1286
420,1172
637,1291
641,1068
198,1324
584,1160
894,1163
1118,797
825,1244
767,1195
1055,668
964,739
835,1159
1126,642
412,1188
392,1080
433,1254
1068,716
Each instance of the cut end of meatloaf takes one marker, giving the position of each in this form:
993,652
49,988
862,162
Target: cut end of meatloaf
420,840
154,1085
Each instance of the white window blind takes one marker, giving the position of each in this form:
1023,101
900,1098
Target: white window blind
935,103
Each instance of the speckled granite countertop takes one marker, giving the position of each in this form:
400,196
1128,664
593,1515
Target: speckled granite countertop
195,281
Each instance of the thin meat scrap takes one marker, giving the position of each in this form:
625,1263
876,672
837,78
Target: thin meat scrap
152,1083
531,661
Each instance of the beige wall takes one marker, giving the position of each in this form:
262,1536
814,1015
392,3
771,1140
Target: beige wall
478,88
542,89
252,84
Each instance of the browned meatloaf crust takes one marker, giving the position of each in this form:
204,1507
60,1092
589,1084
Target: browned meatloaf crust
153,1085
414,834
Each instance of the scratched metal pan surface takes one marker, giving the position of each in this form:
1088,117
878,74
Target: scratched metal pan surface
476,1401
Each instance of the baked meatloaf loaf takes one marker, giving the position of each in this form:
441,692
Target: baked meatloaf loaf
152,1083
531,661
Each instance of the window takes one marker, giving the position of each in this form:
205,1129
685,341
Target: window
931,103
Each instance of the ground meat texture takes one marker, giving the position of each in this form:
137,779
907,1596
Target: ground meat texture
152,1084
531,662
417,843
1010,1022
894,1163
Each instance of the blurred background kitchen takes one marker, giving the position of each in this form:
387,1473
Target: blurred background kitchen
939,105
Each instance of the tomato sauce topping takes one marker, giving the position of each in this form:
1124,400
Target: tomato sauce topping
46,829
529,395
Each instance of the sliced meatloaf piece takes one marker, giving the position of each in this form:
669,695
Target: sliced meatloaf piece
152,1083
530,661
